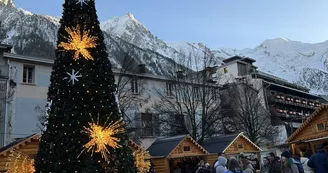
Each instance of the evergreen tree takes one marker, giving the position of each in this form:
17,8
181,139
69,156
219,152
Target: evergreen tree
82,93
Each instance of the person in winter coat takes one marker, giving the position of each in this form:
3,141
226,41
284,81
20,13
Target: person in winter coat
221,166
234,166
274,163
216,163
317,161
289,165
247,165
265,166
304,162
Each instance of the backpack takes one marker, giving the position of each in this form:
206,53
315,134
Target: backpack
214,167
300,170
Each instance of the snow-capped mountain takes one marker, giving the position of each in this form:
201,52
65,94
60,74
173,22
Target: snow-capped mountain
36,35
302,63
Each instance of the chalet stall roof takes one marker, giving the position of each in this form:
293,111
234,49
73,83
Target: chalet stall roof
4,151
223,143
319,115
164,147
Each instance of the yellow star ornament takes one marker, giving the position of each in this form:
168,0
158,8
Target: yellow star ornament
79,42
102,137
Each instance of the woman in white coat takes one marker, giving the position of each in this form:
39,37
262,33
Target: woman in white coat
304,162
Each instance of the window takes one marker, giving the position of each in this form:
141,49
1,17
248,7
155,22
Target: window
186,148
28,74
134,86
196,92
169,89
319,127
147,124
242,69
240,146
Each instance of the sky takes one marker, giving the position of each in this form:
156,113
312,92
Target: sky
216,23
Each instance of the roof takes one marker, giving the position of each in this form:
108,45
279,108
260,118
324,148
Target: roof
29,58
232,59
219,144
165,146
135,145
303,125
6,47
324,97
16,144
277,80
222,143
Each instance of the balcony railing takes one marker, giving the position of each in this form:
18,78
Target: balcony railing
294,101
291,114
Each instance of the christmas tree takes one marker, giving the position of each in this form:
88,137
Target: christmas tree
84,131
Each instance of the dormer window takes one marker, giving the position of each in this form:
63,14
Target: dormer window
319,127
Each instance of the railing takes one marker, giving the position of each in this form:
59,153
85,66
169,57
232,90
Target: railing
291,114
294,101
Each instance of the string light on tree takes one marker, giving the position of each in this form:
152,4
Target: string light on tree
19,163
73,76
102,137
79,42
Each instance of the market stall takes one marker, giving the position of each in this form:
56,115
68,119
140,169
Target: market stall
308,138
183,150
231,146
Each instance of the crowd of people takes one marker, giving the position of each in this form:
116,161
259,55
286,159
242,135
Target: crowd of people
287,163
317,163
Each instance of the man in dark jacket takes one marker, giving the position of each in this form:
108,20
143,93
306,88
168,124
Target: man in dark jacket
318,160
275,164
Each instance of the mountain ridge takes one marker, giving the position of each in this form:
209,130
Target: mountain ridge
36,35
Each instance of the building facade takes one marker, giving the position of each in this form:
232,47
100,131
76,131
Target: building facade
289,104
29,78
24,84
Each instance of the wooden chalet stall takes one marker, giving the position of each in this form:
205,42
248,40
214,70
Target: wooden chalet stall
167,152
231,146
28,145
307,139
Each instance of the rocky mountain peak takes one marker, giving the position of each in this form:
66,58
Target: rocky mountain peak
131,16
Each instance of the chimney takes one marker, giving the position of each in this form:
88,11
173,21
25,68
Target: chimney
142,68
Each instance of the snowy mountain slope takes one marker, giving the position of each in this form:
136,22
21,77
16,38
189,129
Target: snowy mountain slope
29,33
297,62
35,35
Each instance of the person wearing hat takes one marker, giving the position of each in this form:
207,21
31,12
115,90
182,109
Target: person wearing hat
319,160
247,166
289,165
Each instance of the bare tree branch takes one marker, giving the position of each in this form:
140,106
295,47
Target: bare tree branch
190,100
243,110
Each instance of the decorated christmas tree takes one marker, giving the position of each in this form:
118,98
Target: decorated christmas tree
84,131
